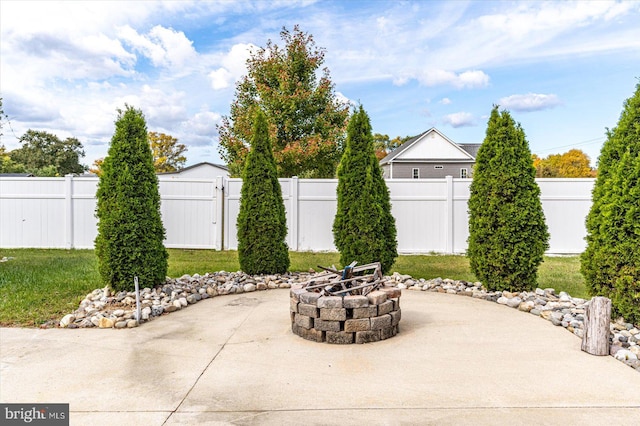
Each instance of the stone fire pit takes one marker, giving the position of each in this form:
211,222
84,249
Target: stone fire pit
345,318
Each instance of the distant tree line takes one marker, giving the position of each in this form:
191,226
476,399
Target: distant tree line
168,154
572,164
43,154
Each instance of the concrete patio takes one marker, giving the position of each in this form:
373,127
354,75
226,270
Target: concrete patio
234,360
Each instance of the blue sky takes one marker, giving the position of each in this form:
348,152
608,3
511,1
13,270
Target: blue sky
563,69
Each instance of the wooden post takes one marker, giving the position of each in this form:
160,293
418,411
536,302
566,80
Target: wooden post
597,317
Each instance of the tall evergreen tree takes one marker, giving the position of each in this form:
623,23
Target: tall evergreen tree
262,223
363,229
130,232
611,261
507,230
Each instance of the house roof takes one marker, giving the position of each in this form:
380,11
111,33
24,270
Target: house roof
204,163
467,151
16,175
471,148
399,150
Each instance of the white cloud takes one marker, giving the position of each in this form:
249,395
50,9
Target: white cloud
203,123
164,109
29,60
468,79
178,48
460,119
47,17
472,79
552,17
165,47
199,130
445,101
382,22
448,43
233,66
31,112
529,102
221,78
533,31
143,44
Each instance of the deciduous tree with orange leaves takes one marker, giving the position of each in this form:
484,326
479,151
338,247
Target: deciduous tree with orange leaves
307,121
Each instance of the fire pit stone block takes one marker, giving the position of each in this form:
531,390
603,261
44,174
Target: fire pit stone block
385,308
355,301
367,336
388,332
326,325
304,321
361,324
366,312
378,323
339,337
330,302
377,297
293,305
309,298
395,317
308,310
311,334
296,292
392,292
333,314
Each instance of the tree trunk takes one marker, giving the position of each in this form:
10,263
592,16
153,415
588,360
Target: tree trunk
597,318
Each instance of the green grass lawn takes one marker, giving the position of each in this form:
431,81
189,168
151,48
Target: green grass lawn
41,285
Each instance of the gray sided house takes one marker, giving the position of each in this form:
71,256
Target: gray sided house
430,155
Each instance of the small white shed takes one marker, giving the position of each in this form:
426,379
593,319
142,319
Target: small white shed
203,170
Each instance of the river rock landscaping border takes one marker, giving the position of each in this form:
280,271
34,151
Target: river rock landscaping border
102,309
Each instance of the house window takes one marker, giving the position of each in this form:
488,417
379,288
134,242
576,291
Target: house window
415,173
463,173
438,167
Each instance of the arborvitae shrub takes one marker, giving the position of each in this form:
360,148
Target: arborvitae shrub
363,229
130,232
262,224
507,231
611,261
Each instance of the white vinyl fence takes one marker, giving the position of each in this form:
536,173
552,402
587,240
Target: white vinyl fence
431,214
60,212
